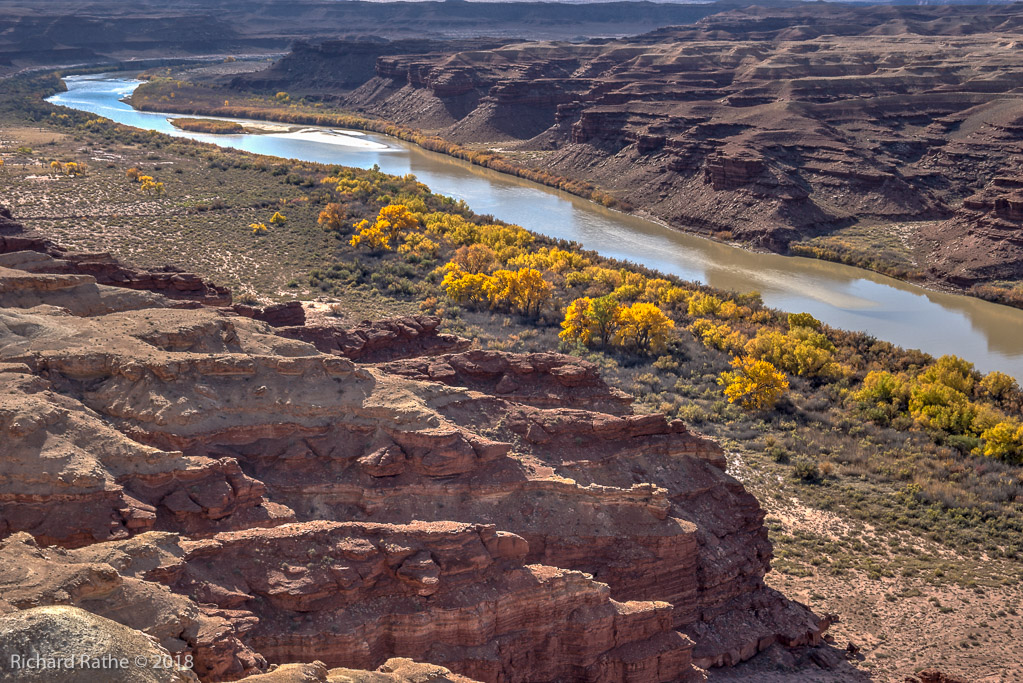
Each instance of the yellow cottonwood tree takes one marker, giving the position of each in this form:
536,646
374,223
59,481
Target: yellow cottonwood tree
384,233
704,304
718,336
999,385
1004,441
753,384
370,235
577,327
149,185
802,351
644,326
553,259
588,320
523,290
396,219
464,287
278,218
418,246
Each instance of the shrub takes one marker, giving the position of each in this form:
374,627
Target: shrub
806,470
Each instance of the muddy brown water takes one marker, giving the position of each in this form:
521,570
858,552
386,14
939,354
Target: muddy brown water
989,335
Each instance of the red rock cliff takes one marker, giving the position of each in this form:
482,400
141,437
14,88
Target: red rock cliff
503,515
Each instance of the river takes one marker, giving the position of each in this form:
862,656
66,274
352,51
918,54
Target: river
987,334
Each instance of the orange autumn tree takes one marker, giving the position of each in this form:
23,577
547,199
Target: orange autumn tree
332,217
476,258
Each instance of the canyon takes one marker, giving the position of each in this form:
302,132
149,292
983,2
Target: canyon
254,492
770,126
331,471
79,31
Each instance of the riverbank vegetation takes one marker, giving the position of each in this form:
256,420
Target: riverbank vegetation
208,126
923,451
164,94
886,248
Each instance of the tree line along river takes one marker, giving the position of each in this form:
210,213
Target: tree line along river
989,335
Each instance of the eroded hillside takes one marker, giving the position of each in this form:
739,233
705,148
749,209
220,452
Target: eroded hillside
788,129
79,31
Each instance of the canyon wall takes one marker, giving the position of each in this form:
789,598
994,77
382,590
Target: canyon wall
63,32
769,125
303,501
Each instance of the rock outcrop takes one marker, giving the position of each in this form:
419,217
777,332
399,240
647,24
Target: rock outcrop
394,670
277,315
251,495
983,240
70,644
375,341
30,252
541,379
353,594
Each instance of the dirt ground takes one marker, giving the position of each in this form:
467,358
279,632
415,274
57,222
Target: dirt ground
896,625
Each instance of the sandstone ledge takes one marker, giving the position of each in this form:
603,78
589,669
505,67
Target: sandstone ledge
256,495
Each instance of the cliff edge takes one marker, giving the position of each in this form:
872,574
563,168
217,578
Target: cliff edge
289,502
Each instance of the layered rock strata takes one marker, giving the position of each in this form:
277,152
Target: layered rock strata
249,499
983,241
376,341
771,124
31,252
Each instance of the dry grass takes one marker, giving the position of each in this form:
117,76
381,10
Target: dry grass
200,222
889,248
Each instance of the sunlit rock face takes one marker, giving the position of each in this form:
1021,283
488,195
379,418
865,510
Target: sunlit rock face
250,495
